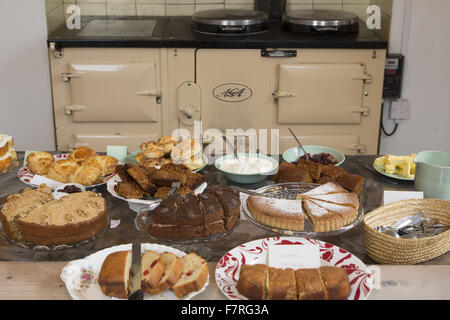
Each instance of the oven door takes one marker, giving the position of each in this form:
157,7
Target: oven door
321,93
112,91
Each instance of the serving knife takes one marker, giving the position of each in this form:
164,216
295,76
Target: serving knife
136,273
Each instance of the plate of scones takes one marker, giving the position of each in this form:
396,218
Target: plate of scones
245,272
83,166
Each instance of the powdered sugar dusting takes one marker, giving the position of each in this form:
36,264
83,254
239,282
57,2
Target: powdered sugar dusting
316,210
284,205
325,189
340,198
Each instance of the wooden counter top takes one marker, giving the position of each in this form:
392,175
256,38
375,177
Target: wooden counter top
41,280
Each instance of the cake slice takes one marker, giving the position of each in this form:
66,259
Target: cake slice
193,276
322,219
252,281
344,199
278,213
336,282
310,285
172,272
290,172
314,169
327,188
152,270
331,171
114,274
351,182
281,284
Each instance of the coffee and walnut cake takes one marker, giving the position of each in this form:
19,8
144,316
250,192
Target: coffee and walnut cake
35,216
215,211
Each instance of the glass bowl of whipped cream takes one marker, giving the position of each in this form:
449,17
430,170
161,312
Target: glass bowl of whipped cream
247,168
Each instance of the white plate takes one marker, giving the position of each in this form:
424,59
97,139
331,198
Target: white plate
25,175
255,252
81,276
139,202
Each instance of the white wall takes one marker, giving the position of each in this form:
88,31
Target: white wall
25,91
424,38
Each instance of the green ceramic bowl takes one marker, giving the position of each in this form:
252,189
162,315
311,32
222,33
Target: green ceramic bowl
244,178
293,154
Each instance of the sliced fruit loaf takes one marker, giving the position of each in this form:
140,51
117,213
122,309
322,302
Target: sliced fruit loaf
193,276
114,274
152,270
172,272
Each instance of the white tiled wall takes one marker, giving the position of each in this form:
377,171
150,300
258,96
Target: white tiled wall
56,8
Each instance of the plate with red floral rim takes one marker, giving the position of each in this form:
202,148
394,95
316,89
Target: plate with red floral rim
255,252
81,276
25,174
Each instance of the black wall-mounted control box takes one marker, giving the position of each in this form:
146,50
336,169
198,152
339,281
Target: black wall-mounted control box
393,76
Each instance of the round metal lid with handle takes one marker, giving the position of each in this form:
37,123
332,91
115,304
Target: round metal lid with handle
234,21
322,20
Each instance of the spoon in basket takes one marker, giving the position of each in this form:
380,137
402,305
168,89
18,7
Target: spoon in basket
300,145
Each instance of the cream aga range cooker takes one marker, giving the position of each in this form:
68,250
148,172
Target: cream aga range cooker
315,72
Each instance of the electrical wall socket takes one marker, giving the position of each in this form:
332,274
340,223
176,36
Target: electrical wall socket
400,110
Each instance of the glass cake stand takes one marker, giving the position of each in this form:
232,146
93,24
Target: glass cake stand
143,220
290,191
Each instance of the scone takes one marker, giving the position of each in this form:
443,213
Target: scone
40,162
80,154
63,170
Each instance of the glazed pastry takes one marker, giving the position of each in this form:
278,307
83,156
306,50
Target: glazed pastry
80,154
40,162
8,155
63,170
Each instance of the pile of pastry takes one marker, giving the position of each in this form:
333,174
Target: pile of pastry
261,282
167,150
160,272
8,155
82,166
313,172
142,182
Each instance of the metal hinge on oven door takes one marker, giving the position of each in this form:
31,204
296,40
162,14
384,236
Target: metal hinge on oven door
151,93
358,148
363,110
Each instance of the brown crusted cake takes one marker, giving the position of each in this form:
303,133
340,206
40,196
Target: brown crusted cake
314,169
278,213
215,211
290,172
35,216
281,284
351,182
336,282
322,219
310,285
114,274
252,281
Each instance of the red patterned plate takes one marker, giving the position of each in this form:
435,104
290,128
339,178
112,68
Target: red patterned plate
25,174
228,268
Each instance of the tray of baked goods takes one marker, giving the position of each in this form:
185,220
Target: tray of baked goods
142,185
167,149
292,268
166,274
190,218
40,219
304,209
83,166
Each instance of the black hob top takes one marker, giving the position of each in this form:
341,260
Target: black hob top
176,32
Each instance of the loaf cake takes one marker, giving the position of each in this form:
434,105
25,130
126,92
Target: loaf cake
152,270
215,211
258,282
159,273
281,284
8,155
253,281
314,169
290,172
278,213
114,274
193,276
34,216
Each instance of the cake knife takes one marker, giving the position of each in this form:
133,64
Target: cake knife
136,273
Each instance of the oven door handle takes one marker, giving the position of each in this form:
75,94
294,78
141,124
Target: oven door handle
276,53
